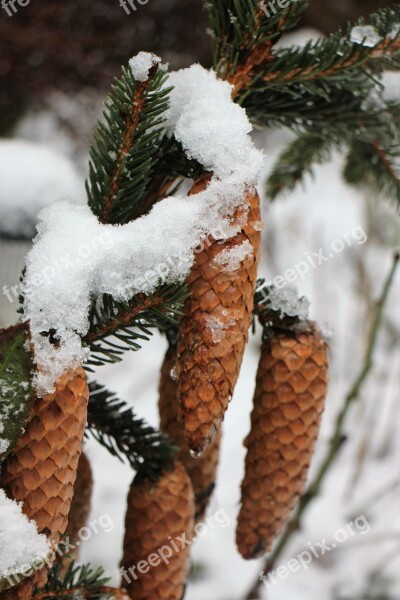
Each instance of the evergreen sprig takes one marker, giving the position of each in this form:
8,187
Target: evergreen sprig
371,142
244,31
298,160
114,424
118,327
326,80
337,58
322,91
373,165
77,582
127,146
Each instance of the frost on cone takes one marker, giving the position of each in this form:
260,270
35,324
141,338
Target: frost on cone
202,471
42,469
159,517
214,329
289,400
80,506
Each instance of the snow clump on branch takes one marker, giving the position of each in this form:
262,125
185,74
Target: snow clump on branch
117,260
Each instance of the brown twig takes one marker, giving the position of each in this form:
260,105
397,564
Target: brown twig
259,55
118,594
124,319
313,72
158,191
245,73
385,161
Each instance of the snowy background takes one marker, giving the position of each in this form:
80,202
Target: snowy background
366,476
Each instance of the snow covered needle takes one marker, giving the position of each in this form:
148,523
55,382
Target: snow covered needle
124,261
141,64
365,35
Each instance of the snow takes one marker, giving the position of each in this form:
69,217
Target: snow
395,32
20,543
211,128
32,176
4,445
286,301
391,83
232,258
10,409
218,325
310,218
75,257
366,35
142,63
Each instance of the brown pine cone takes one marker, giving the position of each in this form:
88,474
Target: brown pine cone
289,400
202,471
80,506
42,469
158,523
214,329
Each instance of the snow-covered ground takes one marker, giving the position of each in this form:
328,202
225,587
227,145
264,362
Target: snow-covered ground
365,479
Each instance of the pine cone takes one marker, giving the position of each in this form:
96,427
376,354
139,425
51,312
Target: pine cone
158,515
289,400
80,506
202,471
42,469
214,329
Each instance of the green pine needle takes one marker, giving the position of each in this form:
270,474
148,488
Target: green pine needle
297,161
114,425
78,582
240,26
373,165
127,147
118,327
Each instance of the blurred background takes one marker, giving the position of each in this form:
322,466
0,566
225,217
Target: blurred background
57,61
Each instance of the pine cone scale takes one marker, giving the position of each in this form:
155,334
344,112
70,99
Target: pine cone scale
214,327
42,469
202,471
288,404
158,513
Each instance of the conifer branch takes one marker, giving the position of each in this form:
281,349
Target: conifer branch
374,164
337,56
116,427
297,160
124,318
118,327
243,34
127,146
386,162
373,142
132,123
83,582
